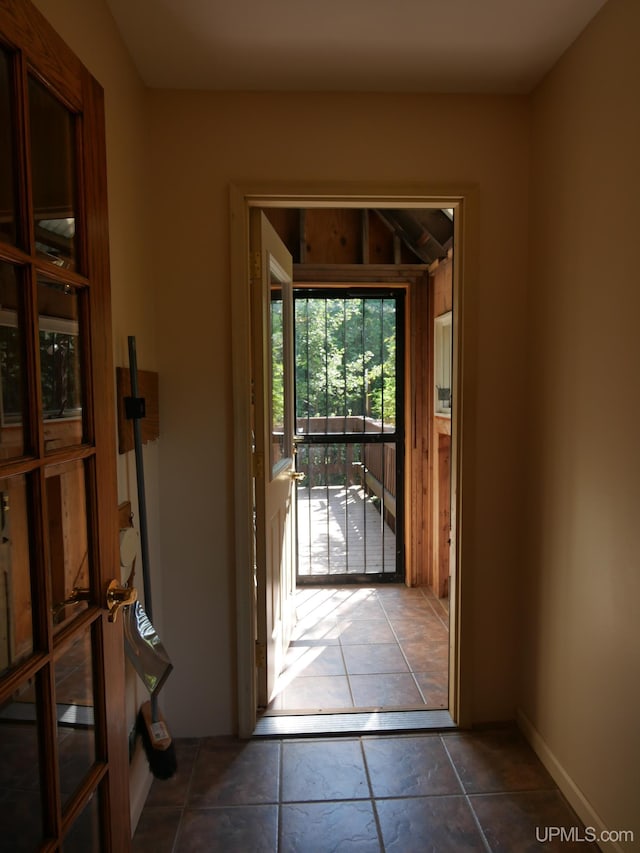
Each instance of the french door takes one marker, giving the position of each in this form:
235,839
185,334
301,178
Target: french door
63,748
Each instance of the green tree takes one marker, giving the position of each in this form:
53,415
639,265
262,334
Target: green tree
346,357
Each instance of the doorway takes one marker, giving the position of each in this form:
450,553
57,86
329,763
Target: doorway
363,641
243,201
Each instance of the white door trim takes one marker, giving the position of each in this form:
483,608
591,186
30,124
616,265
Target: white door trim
464,200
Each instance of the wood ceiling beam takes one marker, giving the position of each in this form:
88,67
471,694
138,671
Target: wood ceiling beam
367,273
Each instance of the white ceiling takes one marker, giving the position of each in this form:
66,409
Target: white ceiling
349,45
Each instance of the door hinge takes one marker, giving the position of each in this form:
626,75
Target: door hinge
261,655
258,465
256,266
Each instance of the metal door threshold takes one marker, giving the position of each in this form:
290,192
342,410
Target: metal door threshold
357,723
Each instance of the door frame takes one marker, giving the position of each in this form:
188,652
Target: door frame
464,200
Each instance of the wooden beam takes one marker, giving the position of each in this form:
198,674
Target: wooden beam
302,235
389,273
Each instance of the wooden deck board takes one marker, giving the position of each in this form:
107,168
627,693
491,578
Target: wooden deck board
341,532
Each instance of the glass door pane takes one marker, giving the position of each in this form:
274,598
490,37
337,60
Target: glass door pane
85,835
7,161
68,541
75,704
53,175
20,800
281,403
61,379
12,371
16,621
278,450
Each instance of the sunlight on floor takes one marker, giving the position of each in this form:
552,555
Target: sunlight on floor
377,647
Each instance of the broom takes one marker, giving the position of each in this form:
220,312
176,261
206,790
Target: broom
156,740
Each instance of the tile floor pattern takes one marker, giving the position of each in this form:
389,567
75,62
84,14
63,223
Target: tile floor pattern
367,647
446,793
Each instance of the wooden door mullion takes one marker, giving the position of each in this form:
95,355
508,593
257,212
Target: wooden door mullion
24,208
21,675
87,379
41,593
34,413
58,275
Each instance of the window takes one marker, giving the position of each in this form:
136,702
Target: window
442,364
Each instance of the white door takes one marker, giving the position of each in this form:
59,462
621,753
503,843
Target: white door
274,470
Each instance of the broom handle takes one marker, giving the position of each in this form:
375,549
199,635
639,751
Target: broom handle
142,504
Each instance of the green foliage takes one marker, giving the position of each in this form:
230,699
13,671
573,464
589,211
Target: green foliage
277,362
346,358
59,370
11,371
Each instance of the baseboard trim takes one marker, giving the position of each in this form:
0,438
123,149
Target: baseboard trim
576,799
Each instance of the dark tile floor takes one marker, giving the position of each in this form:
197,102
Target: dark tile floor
367,647
411,793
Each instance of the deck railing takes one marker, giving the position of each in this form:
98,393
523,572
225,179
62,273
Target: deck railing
370,465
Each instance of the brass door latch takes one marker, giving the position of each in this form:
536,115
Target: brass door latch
119,596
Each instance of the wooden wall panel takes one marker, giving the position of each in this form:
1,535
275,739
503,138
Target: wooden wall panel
440,443
443,287
332,236
147,388
443,517
125,515
380,241
418,434
286,222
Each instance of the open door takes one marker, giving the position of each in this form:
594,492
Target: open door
274,470
63,744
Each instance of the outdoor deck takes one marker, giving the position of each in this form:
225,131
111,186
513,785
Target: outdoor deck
341,532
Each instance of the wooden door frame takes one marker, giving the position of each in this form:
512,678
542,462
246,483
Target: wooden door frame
464,200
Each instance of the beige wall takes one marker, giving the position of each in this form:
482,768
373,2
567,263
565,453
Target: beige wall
581,611
201,143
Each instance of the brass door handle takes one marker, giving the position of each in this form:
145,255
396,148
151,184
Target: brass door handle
297,475
119,596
